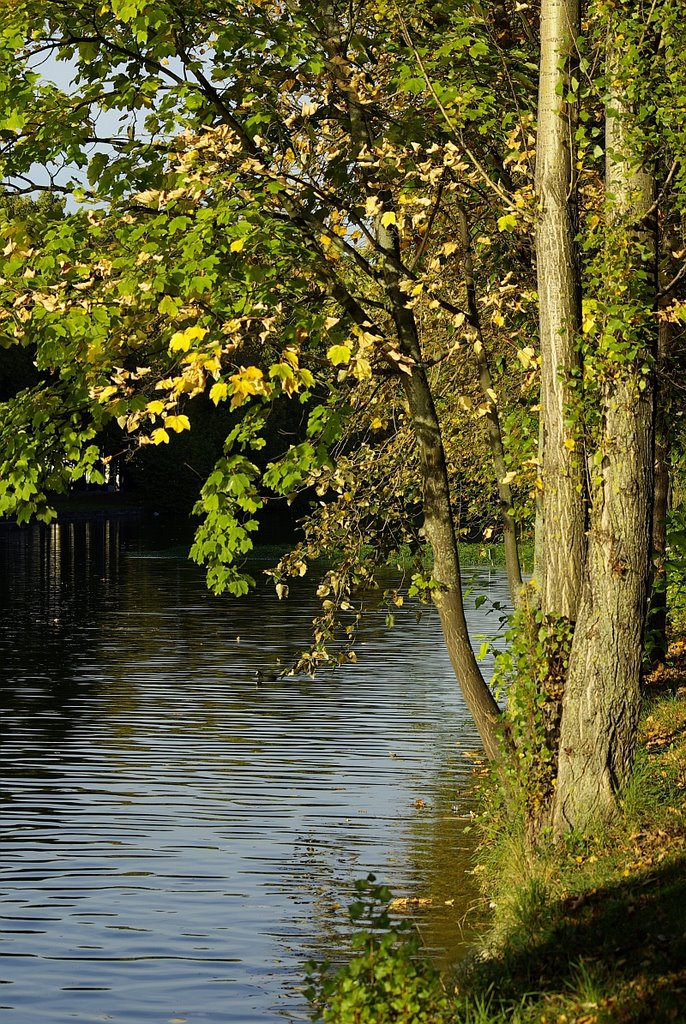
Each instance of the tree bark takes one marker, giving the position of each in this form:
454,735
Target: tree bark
561,523
440,533
602,694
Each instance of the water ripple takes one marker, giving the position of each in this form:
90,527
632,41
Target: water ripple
178,840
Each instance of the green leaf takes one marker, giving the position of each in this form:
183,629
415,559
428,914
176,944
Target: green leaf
339,354
508,222
96,167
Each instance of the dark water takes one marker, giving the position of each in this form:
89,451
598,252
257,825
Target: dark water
176,841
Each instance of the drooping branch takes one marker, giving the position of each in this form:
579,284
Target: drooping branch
495,439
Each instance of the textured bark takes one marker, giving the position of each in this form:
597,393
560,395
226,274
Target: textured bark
560,529
602,694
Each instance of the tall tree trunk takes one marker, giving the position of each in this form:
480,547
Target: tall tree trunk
560,507
602,693
561,522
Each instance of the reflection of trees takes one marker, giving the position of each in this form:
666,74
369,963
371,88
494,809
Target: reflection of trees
441,843
113,645
57,585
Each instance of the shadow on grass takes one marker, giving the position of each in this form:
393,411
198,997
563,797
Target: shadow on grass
619,950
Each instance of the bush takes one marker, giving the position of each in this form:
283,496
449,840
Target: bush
388,981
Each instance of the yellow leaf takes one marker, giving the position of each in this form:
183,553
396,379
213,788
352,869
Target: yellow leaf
376,423
372,206
237,245
219,391
160,436
570,444
449,248
107,393
388,218
361,369
249,381
526,356
155,408
181,340
509,477
178,423
508,222
150,197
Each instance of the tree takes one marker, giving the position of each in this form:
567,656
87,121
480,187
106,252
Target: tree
333,204
282,136
602,689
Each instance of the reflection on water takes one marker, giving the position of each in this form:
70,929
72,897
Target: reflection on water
177,839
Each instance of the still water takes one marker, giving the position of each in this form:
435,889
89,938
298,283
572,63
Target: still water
177,840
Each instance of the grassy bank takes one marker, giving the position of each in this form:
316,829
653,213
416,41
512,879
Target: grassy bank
484,553
593,932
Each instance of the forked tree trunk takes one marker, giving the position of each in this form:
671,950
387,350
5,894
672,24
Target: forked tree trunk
602,695
560,529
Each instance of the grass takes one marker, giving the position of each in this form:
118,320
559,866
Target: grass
485,553
594,931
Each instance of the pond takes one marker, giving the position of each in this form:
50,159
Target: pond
178,839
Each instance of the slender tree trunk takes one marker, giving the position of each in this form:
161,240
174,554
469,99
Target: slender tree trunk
561,521
440,533
495,438
439,524
560,506
602,694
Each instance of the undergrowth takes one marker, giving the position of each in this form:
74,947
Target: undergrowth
593,931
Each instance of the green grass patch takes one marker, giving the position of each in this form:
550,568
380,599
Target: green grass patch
484,553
